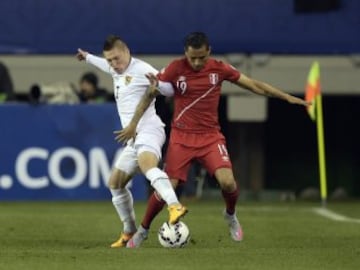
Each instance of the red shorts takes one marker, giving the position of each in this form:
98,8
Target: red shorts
208,149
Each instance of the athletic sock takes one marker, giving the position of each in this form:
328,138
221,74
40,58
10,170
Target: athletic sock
230,199
154,206
160,182
123,203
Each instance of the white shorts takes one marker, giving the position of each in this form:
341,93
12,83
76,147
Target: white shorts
150,140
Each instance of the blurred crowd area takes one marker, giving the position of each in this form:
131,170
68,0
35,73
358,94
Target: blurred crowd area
88,90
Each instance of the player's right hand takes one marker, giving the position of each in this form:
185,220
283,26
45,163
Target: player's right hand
81,55
295,100
126,134
154,81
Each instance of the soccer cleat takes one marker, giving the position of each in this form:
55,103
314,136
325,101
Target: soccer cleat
122,241
137,239
236,231
176,212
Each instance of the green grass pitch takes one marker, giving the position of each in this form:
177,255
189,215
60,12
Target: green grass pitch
76,235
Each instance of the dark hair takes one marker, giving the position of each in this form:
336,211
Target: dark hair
90,78
196,40
112,41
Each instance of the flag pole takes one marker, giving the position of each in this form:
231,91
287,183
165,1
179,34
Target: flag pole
321,149
313,95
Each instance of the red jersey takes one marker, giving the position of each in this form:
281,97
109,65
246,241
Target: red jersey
197,93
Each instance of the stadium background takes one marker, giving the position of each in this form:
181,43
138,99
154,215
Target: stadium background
273,144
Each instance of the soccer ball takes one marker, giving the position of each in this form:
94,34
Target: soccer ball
174,236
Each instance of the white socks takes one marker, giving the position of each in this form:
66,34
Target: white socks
160,182
124,205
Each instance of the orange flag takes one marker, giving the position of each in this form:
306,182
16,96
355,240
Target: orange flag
313,89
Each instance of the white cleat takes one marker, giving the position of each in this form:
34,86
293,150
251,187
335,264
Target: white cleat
236,231
137,239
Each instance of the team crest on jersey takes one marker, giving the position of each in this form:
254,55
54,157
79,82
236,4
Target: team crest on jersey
181,84
128,80
213,78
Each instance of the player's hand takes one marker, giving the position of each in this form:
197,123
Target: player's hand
154,81
81,55
125,134
299,101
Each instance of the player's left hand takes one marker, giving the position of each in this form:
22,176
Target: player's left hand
125,134
81,54
299,101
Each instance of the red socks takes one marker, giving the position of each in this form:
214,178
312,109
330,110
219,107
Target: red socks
230,199
154,206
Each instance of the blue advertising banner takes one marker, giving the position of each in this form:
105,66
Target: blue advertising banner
233,26
59,152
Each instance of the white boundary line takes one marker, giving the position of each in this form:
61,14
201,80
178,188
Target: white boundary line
324,212
333,215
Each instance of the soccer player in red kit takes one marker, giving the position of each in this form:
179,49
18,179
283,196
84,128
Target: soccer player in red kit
195,82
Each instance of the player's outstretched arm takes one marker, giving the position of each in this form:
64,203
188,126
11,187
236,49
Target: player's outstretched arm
262,88
129,132
99,62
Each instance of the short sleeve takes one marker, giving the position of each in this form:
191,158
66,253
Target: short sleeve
168,74
230,73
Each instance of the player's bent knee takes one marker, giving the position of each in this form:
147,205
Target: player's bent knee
228,185
147,160
118,179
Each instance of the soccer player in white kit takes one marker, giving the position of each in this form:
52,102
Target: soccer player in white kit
144,153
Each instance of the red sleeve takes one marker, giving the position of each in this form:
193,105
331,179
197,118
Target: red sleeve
169,73
230,73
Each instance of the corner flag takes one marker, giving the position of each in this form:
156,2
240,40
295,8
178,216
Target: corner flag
313,94
313,89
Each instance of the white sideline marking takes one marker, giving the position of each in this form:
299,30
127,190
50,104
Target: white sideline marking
334,216
318,210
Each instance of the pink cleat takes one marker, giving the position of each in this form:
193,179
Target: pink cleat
236,231
137,239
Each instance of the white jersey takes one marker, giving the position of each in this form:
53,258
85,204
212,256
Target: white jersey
129,88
